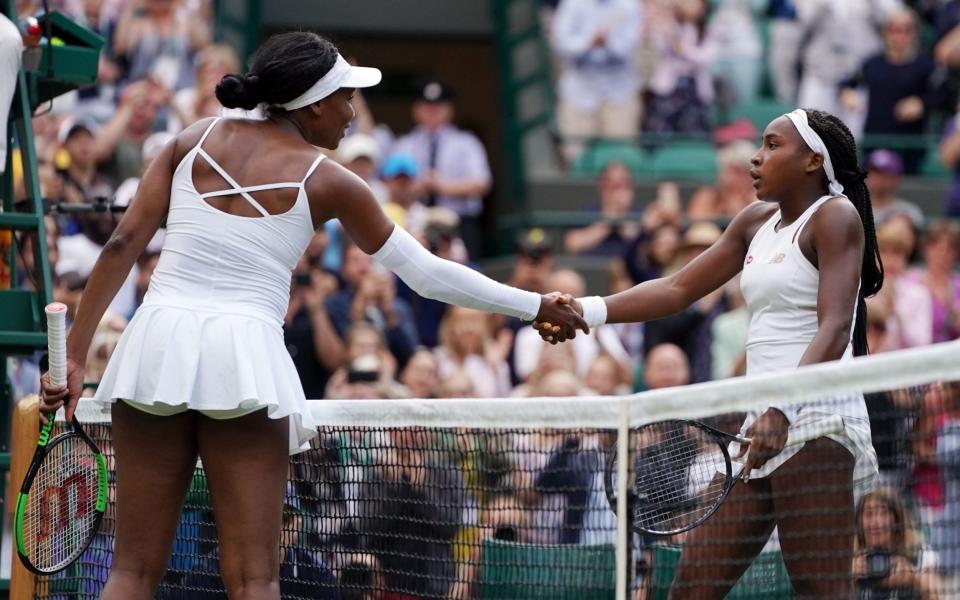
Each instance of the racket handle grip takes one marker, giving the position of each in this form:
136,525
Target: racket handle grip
57,342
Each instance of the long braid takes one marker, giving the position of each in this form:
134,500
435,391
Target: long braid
846,164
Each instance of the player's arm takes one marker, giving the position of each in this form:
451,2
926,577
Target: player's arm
342,195
836,236
659,298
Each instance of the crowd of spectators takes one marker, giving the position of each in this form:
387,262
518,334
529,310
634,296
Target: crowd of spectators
354,332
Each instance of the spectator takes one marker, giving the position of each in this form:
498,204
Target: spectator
118,147
733,189
596,43
728,356
308,331
369,295
948,457
421,375
439,235
900,87
158,41
415,494
534,261
403,205
198,101
126,191
885,170
608,235
652,251
890,561
302,574
457,384
367,370
839,37
682,86
586,347
604,379
940,250
666,366
950,157
454,172
691,328
77,167
360,153
630,334
738,60
786,40
907,305
467,343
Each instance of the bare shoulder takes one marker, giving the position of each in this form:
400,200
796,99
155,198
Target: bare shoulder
746,223
838,215
332,184
190,137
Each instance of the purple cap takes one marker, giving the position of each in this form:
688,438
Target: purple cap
885,161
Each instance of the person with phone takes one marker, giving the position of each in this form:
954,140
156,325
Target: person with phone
891,562
202,369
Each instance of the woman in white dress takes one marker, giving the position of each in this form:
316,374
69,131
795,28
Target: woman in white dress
202,369
808,255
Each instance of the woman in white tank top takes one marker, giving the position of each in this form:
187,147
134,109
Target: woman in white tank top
202,369
808,256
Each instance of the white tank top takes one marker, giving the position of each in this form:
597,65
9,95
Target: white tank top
215,261
780,287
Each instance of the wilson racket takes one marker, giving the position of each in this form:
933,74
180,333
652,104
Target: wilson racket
64,492
684,471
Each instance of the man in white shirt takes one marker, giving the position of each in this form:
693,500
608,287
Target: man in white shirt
454,172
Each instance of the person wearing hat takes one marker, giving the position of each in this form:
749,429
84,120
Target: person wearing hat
454,171
885,169
404,204
76,164
202,369
360,153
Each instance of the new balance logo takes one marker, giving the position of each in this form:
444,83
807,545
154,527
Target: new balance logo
777,259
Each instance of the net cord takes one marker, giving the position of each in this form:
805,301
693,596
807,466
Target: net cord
874,373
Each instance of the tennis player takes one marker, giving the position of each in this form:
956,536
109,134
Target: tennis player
202,368
808,255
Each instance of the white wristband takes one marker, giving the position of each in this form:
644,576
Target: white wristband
594,310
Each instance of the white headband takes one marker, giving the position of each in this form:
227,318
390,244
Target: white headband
341,75
799,119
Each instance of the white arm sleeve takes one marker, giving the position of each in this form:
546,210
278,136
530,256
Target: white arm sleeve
449,282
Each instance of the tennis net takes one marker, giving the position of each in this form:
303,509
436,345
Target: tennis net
520,497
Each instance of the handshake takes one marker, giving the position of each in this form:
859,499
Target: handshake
560,316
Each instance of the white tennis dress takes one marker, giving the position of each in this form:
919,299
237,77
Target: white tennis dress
780,286
209,335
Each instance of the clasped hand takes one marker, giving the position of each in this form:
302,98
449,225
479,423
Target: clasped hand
559,318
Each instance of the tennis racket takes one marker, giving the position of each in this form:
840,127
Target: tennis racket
64,492
684,472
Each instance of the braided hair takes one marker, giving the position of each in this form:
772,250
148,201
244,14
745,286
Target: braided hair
844,156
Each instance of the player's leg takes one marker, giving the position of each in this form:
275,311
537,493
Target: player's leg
246,461
155,459
813,500
718,552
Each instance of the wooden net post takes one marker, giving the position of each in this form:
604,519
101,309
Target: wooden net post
25,433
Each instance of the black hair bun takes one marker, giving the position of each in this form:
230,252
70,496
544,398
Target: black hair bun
236,91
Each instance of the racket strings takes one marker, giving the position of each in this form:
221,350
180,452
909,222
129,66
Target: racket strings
61,514
681,474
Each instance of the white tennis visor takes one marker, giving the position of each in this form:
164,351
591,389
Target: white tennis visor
341,75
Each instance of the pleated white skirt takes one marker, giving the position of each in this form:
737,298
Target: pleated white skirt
172,359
